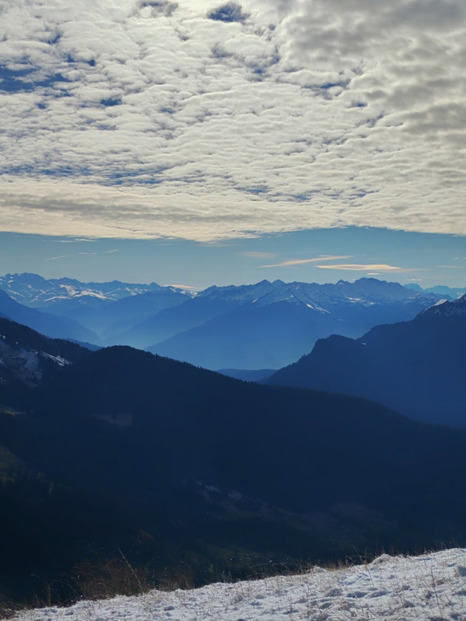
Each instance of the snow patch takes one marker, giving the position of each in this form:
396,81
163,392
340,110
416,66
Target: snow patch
440,302
57,359
390,588
319,309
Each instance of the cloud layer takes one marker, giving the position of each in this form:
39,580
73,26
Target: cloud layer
203,119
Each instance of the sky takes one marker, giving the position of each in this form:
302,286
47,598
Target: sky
250,126
318,255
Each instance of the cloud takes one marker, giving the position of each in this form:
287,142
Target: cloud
75,240
205,120
62,256
115,250
292,262
356,267
187,287
81,254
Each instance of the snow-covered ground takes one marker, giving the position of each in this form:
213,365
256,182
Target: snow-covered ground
426,588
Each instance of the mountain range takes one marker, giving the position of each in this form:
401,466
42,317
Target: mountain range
38,292
269,323
119,454
417,367
45,323
265,325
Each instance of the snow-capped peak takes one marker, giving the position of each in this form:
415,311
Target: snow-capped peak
445,308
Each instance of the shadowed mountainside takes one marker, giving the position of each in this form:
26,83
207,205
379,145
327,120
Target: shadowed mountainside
124,451
416,367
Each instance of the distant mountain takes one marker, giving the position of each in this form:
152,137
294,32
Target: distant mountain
251,336
450,293
176,320
104,309
417,367
66,293
125,458
265,325
269,325
45,323
111,320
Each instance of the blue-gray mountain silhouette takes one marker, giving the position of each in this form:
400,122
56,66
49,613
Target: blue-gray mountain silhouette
45,323
416,367
268,325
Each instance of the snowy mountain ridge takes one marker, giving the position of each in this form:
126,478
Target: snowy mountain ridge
33,290
428,587
319,297
255,326
446,308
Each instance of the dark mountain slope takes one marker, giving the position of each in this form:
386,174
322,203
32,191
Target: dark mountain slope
26,358
174,466
22,337
417,367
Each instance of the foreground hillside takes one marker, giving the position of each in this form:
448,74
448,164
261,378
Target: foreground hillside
391,588
192,476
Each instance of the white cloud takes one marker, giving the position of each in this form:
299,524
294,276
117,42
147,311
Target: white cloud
356,267
293,262
62,256
143,119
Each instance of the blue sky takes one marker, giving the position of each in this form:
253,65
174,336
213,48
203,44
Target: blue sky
235,125
310,256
